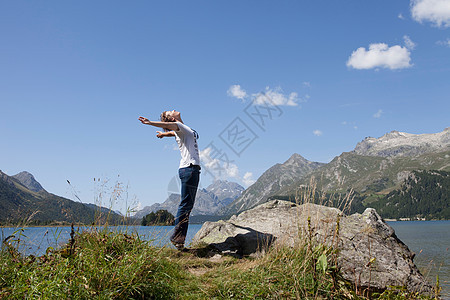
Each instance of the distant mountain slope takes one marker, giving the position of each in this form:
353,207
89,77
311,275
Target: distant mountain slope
208,201
396,143
424,194
387,163
374,168
18,203
377,165
28,180
370,173
216,196
271,182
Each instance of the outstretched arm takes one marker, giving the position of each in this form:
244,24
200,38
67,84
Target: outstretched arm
165,134
167,125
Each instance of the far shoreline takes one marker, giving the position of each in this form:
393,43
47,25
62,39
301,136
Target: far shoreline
196,223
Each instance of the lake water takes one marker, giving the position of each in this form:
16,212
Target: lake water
430,240
36,240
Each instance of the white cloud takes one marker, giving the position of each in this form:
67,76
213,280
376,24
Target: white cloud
400,16
378,114
275,97
380,56
306,84
409,43
317,132
434,11
353,124
209,162
232,171
237,92
248,179
444,43
218,168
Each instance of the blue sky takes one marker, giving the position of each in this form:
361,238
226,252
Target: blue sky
321,76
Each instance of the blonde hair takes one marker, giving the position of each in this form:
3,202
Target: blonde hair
164,118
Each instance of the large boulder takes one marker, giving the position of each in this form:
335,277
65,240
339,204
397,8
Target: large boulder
370,254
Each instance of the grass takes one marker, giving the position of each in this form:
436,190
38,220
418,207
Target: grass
94,264
103,264
283,273
99,264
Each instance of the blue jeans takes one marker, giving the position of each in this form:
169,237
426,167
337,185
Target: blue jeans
189,177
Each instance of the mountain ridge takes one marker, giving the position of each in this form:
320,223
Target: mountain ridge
375,166
208,200
397,143
27,179
20,205
271,181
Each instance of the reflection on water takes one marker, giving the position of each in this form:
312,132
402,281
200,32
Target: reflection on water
430,240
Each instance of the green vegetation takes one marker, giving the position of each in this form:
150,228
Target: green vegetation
368,175
200,219
19,205
94,264
424,195
160,218
99,264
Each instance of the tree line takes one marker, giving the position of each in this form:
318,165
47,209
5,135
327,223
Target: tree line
160,218
423,195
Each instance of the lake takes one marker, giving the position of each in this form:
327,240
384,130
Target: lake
36,240
430,240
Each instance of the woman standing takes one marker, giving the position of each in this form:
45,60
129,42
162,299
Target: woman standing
189,170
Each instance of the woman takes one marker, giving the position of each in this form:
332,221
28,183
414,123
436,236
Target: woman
189,171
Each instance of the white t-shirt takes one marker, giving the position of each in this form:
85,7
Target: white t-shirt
187,142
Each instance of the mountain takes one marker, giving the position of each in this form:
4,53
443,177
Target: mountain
370,173
225,191
270,182
216,196
395,144
28,180
424,195
171,205
24,201
377,167
208,201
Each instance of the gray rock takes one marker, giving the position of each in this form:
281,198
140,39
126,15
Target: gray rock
28,180
370,254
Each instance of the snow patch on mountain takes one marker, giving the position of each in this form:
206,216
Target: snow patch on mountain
397,143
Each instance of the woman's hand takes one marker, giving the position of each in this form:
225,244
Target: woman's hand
165,134
144,120
165,125
160,134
